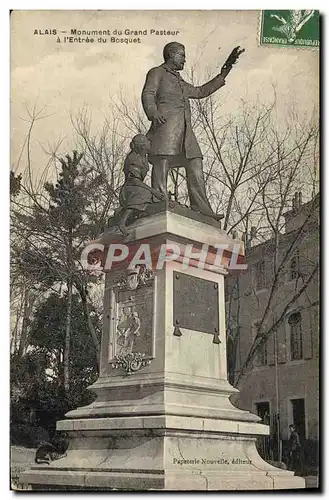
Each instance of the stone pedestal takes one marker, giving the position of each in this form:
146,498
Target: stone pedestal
162,418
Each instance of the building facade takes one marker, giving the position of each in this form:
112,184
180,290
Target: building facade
275,305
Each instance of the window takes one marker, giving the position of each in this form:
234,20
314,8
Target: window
294,266
259,275
262,354
296,340
263,411
298,416
261,357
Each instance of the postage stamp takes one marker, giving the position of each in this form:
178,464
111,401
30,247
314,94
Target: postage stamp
290,28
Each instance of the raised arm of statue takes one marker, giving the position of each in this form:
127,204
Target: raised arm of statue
206,89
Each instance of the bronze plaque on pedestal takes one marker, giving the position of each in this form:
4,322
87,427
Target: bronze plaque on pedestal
195,305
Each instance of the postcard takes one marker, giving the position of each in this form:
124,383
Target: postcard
164,189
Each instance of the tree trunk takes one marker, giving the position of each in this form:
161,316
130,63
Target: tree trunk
68,337
14,332
229,208
28,300
85,306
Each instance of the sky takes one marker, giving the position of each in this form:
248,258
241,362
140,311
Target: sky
61,78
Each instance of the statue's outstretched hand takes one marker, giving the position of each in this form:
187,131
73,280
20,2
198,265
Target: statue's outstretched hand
232,59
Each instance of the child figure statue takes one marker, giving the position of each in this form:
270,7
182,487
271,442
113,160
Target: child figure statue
135,195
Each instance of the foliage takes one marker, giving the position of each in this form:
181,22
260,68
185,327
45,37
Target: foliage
47,333
49,232
38,397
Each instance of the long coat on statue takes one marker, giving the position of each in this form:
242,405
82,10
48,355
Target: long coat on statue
167,93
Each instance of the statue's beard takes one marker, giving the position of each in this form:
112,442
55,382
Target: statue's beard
176,66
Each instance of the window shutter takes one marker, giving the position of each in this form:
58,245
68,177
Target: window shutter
282,344
307,340
296,340
271,350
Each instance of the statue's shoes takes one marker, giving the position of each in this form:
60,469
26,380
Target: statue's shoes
212,215
218,216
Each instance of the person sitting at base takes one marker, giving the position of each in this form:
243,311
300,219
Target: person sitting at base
135,195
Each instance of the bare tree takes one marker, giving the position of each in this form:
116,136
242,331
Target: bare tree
103,156
276,255
101,160
254,163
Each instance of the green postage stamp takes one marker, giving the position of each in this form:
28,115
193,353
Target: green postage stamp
290,28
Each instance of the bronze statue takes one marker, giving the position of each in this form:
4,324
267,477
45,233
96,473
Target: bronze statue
165,99
135,195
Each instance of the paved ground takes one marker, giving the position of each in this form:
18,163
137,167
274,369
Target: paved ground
311,481
21,459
